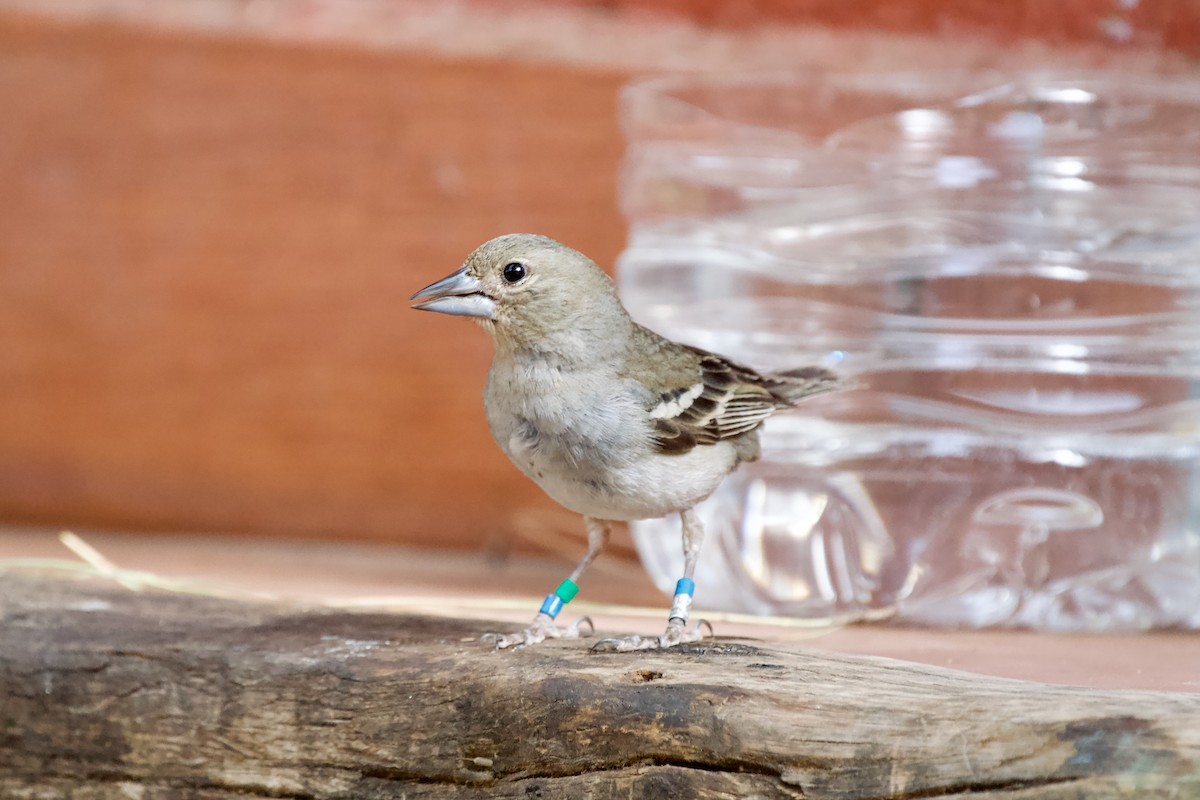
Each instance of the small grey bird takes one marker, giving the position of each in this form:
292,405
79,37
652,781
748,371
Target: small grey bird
612,420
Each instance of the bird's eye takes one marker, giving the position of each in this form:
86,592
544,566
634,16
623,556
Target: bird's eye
513,271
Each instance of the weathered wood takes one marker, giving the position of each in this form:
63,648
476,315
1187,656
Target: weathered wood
107,693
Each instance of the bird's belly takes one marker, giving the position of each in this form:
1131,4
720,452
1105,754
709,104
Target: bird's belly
652,486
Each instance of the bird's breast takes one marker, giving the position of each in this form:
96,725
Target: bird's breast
586,441
570,421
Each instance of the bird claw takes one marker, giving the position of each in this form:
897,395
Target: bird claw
539,630
675,634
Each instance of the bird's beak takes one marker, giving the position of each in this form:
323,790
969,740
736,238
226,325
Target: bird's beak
460,294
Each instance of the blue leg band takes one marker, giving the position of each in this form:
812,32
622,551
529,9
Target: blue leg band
551,605
682,605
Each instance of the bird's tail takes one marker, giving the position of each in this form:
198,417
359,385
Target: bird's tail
793,385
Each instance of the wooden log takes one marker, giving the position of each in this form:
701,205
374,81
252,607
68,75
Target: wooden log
108,693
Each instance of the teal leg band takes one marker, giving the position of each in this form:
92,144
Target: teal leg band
564,594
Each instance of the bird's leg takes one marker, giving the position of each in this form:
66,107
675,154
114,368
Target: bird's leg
543,626
677,631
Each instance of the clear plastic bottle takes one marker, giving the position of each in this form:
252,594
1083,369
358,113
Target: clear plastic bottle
1009,268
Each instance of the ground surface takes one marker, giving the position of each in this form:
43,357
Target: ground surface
617,594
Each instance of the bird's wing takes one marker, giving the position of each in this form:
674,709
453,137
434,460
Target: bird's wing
694,397
724,401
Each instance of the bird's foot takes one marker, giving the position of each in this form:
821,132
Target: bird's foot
541,629
677,633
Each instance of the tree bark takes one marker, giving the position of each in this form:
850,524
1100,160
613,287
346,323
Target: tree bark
107,693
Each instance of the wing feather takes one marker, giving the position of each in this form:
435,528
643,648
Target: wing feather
728,400
700,398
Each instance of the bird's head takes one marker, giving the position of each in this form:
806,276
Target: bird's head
528,291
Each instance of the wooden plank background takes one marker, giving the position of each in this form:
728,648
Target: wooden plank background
207,243
208,249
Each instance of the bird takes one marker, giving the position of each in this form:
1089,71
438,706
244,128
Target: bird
610,419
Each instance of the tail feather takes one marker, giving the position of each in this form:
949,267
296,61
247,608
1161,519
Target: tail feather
793,385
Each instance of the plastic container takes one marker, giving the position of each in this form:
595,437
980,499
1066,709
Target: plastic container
1009,268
